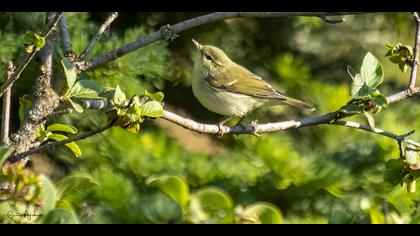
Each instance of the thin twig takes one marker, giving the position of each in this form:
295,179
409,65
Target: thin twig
65,36
194,22
53,145
46,33
413,74
98,35
5,115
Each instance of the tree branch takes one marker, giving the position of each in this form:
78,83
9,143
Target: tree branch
194,22
53,145
5,115
98,35
65,36
46,33
45,99
413,74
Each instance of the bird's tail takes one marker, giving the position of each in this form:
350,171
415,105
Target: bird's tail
298,103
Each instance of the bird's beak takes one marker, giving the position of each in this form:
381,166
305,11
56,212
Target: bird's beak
197,45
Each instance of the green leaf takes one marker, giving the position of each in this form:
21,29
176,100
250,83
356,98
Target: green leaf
62,127
61,216
72,145
158,96
76,106
211,205
263,213
152,109
119,96
70,72
370,119
28,37
340,217
363,91
85,89
379,99
351,71
411,186
372,71
376,216
48,194
4,154
133,128
73,183
392,173
174,186
39,42
25,104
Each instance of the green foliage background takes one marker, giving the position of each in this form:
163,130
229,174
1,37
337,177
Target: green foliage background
320,174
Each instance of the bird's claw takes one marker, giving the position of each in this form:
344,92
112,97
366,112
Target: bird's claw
221,132
254,125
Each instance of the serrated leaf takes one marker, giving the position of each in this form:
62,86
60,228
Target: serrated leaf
262,213
119,96
85,89
174,186
62,127
61,216
76,106
4,154
72,145
73,183
211,205
48,194
152,109
370,119
70,72
372,71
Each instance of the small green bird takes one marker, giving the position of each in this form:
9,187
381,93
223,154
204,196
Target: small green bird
228,89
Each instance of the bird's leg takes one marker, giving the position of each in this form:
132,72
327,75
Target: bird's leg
221,124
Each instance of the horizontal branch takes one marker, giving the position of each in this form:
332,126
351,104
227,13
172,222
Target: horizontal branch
194,22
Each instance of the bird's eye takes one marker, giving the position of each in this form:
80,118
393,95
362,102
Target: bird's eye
208,57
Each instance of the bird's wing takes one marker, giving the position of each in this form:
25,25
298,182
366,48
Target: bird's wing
237,79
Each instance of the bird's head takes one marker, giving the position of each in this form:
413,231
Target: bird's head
212,58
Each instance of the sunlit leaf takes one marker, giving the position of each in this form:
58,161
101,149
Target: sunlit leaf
370,119
76,106
152,109
211,205
174,186
71,145
372,71
262,213
70,72
62,128
119,96
85,89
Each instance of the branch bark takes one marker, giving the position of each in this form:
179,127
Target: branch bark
5,114
65,36
194,22
413,74
98,35
45,99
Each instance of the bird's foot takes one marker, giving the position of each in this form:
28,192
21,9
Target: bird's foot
221,132
254,125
